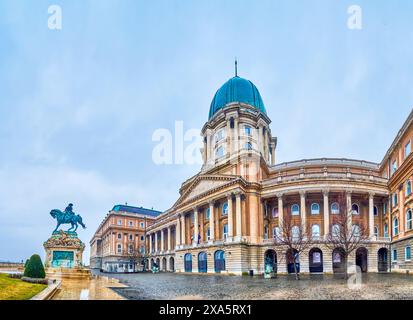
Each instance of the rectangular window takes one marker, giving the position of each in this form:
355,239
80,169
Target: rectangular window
119,222
131,237
408,253
142,224
394,255
208,235
408,188
225,231
395,200
142,238
407,149
247,130
130,223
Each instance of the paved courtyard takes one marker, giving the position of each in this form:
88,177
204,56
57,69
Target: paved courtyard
194,286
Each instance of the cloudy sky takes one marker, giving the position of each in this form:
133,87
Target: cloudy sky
78,106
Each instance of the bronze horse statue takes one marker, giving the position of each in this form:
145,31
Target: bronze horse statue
64,218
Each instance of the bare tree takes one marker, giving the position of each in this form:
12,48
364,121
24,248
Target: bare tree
134,256
296,239
344,235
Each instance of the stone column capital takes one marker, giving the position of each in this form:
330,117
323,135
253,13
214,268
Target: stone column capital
279,195
349,191
229,196
302,193
326,191
211,202
372,194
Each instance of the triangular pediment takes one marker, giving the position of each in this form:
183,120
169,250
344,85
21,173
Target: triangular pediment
203,185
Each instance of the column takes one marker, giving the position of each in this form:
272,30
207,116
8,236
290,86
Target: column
162,241
178,232
303,211
211,221
150,243
196,227
238,215
169,238
371,214
208,150
156,242
272,154
229,137
183,233
230,217
326,213
280,209
266,153
349,211
236,133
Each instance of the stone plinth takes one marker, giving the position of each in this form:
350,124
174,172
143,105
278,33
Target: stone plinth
64,250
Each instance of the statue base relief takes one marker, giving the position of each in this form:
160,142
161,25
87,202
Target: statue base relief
64,251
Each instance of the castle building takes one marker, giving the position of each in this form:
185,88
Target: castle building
228,215
121,237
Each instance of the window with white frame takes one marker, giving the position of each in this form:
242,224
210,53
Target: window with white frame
142,238
355,208
386,230
225,209
408,253
130,249
295,210
315,231
219,135
408,188
119,236
225,231
119,248
131,237
119,222
394,254
355,229
315,208
248,145
247,130
266,232
409,225
395,199
335,230
295,233
376,231
276,232
396,226
275,212
335,208
384,208
375,211
394,166
219,153
407,149
208,234
207,213
142,249
130,223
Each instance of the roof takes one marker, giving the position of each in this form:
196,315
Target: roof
236,89
137,210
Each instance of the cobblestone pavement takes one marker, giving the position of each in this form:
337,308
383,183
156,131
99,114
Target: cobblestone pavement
144,286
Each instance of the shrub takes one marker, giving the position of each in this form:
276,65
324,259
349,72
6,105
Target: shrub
34,268
34,280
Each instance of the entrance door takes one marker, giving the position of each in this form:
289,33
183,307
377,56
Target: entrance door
219,261
202,262
316,260
188,262
361,259
382,260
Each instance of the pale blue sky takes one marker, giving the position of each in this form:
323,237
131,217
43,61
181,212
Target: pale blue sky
78,106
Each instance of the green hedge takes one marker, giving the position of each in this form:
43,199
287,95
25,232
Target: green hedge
34,268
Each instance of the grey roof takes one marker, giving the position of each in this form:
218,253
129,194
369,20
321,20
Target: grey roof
138,210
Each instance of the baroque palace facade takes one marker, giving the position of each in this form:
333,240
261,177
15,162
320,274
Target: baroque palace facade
228,214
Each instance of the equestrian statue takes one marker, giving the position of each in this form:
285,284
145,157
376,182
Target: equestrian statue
67,217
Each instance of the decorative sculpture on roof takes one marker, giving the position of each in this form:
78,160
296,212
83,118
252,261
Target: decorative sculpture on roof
67,217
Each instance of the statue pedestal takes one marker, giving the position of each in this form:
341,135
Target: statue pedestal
64,250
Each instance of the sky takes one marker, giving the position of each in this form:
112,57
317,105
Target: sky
79,106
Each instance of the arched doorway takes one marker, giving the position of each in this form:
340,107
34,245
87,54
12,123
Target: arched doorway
152,263
339,262
219,258
171,264
188,262
315,257
382,260
158,263
164,264
270,260
361,258
202,262
290,255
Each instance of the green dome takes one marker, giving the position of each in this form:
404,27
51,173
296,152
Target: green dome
236,89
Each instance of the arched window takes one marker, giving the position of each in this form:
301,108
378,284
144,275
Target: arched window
315,231
335,230
409,219
219,153
219,135
335,208
396,226
355,208
386,230
295,210
225,209
208,213
188,262
119,236
266,232
375,211
315,208
295,232
408,188
275,212
248,145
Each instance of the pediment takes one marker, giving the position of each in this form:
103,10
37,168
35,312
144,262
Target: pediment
204,185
